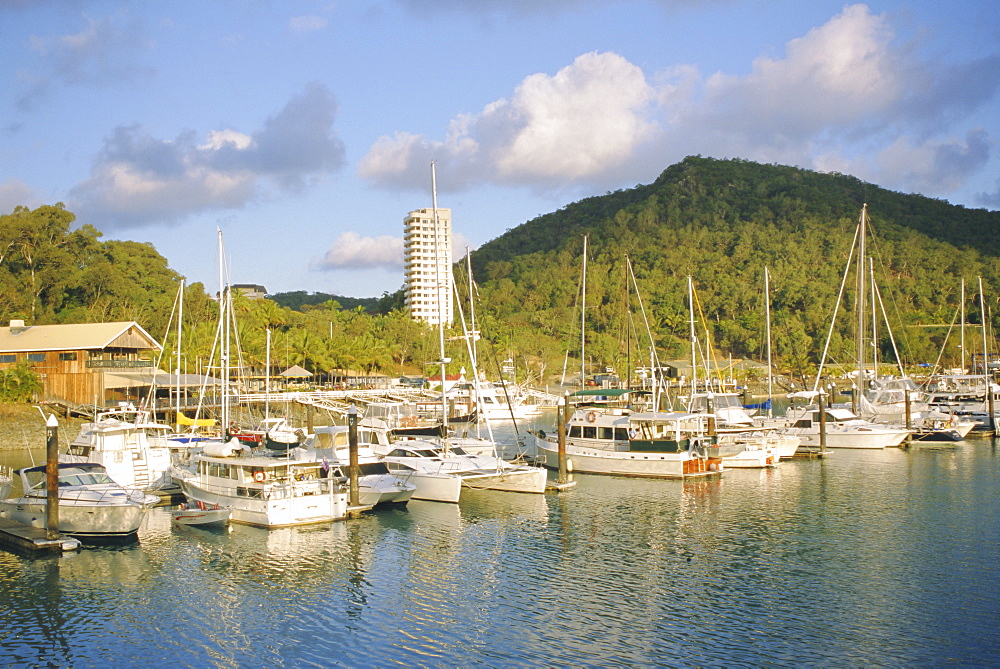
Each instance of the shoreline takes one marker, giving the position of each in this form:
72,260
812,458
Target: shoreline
22,426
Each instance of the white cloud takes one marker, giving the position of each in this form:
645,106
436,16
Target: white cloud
308,23
352,251
106,51
16,193
840,94
138,179
586,119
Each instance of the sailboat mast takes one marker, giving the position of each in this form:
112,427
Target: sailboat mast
440,303
583,319
694,343
177,368
223,335
962,329
860,343
472,310
874,310
267,377
767,320
982,309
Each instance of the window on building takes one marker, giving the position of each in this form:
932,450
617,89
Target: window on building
8,357
67,356
36,357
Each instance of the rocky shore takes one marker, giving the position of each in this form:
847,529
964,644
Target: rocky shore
22,426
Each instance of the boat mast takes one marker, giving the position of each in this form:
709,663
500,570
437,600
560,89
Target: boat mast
267,377
223,335
767,320
962,330
694,345
860,343
982,309
440,303
583,319
874,310
177,367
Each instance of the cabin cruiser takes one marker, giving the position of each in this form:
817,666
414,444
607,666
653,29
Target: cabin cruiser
430,462
616,441
92,506
843,429
268,490
133,449
376,484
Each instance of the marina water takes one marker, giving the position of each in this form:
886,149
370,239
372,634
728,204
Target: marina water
886,558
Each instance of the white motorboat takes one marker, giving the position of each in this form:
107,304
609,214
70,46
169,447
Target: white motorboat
431,465
613,440
92,506
376,484
133,449
201,514
267,490
843,430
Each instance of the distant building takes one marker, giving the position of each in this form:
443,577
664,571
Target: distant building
427,252
84,364
251,291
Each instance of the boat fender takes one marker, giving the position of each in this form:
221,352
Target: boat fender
259,477
591,416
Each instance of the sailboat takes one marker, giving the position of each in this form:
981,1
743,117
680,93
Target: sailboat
844,427
447,455
269,490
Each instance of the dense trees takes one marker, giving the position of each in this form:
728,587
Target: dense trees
720,222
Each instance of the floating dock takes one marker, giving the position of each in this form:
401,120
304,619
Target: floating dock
29,538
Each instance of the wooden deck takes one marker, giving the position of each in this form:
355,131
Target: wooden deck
20,536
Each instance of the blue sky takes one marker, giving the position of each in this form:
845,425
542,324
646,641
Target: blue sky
305,129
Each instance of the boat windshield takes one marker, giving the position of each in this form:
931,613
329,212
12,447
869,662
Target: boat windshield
70,476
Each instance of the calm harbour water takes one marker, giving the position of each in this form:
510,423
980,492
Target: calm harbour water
885,558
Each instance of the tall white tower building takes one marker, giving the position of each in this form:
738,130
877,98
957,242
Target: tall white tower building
427,252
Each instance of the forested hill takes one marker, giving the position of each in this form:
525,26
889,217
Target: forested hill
707,191
722,222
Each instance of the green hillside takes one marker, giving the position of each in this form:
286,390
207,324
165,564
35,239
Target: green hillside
721,222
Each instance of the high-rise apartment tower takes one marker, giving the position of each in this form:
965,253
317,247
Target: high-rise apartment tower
427,252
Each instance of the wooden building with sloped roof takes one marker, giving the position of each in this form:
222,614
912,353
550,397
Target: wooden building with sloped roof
82,364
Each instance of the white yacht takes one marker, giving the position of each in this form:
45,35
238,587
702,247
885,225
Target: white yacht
479,472
133,449
613,440
266,490
377,485
92,506
843,430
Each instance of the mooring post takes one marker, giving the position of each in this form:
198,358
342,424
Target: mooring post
822,421
562,417
52,477
710,409
352,443
989,394
909,416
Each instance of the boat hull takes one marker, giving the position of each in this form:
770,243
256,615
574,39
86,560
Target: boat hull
645,464
89,522
310,507
520,479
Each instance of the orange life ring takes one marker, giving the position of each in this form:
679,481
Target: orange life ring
591,416
259,477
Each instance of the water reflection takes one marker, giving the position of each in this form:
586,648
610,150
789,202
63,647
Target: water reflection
862,558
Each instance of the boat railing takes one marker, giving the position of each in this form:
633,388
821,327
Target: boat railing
281,490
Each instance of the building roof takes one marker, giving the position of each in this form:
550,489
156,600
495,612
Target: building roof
296,371
71,337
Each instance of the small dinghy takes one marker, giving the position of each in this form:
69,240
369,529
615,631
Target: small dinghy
199,513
